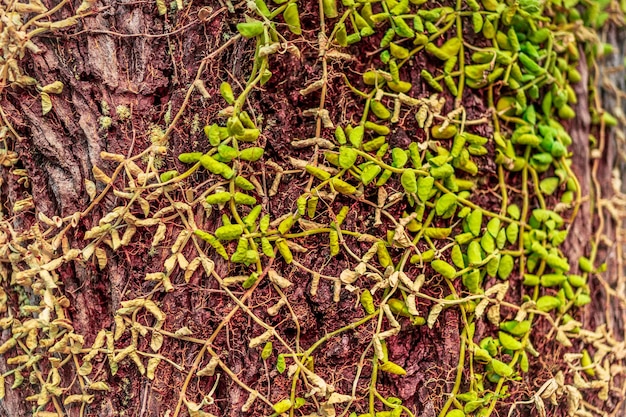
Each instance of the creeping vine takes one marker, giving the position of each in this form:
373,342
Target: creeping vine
442,238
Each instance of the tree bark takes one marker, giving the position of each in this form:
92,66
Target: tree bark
126,55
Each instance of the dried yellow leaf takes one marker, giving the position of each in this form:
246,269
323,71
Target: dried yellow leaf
259,340
315,283
183,331
90,187
191,268
46,103
434,314
137,360
120,327
153,363
248,404
156,342
7,345
337,291
209,370
128,235
53,88
32,339
99,386
313,87
493,314
115,157
183,263
99,175
159,235
59,24
85,369
78,398
170,263
275,309
144,204
336,398
101,257
181,240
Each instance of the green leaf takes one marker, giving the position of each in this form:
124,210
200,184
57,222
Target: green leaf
444,203
284,250
475,221
399,157
219,198
402,28
225,88
548,303
227,152
249,30
474,253
190,157
552,280
472,281
283,405
444,268
356,136
343,187
370,173
292,18
501,239
488,243
585,264
392,368
229,232
506,266
549,185
286,225
245,199
264,224
512,231
516,328
267,351
437,232
281,366
457,257
464,238
317,172
267,248
576,281
501,368
513,211
425,187
408,181
557,262
509,342
493,265
347,157
493,227
380,110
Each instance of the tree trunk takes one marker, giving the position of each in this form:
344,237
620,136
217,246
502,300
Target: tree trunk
126,73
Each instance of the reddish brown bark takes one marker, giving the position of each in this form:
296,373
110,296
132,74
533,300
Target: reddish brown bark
108,57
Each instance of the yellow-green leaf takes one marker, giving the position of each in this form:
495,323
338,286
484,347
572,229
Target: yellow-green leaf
46,103
443,268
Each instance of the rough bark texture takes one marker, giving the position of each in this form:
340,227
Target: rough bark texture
60,149
150,75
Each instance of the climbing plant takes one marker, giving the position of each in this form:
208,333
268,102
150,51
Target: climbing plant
469,215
